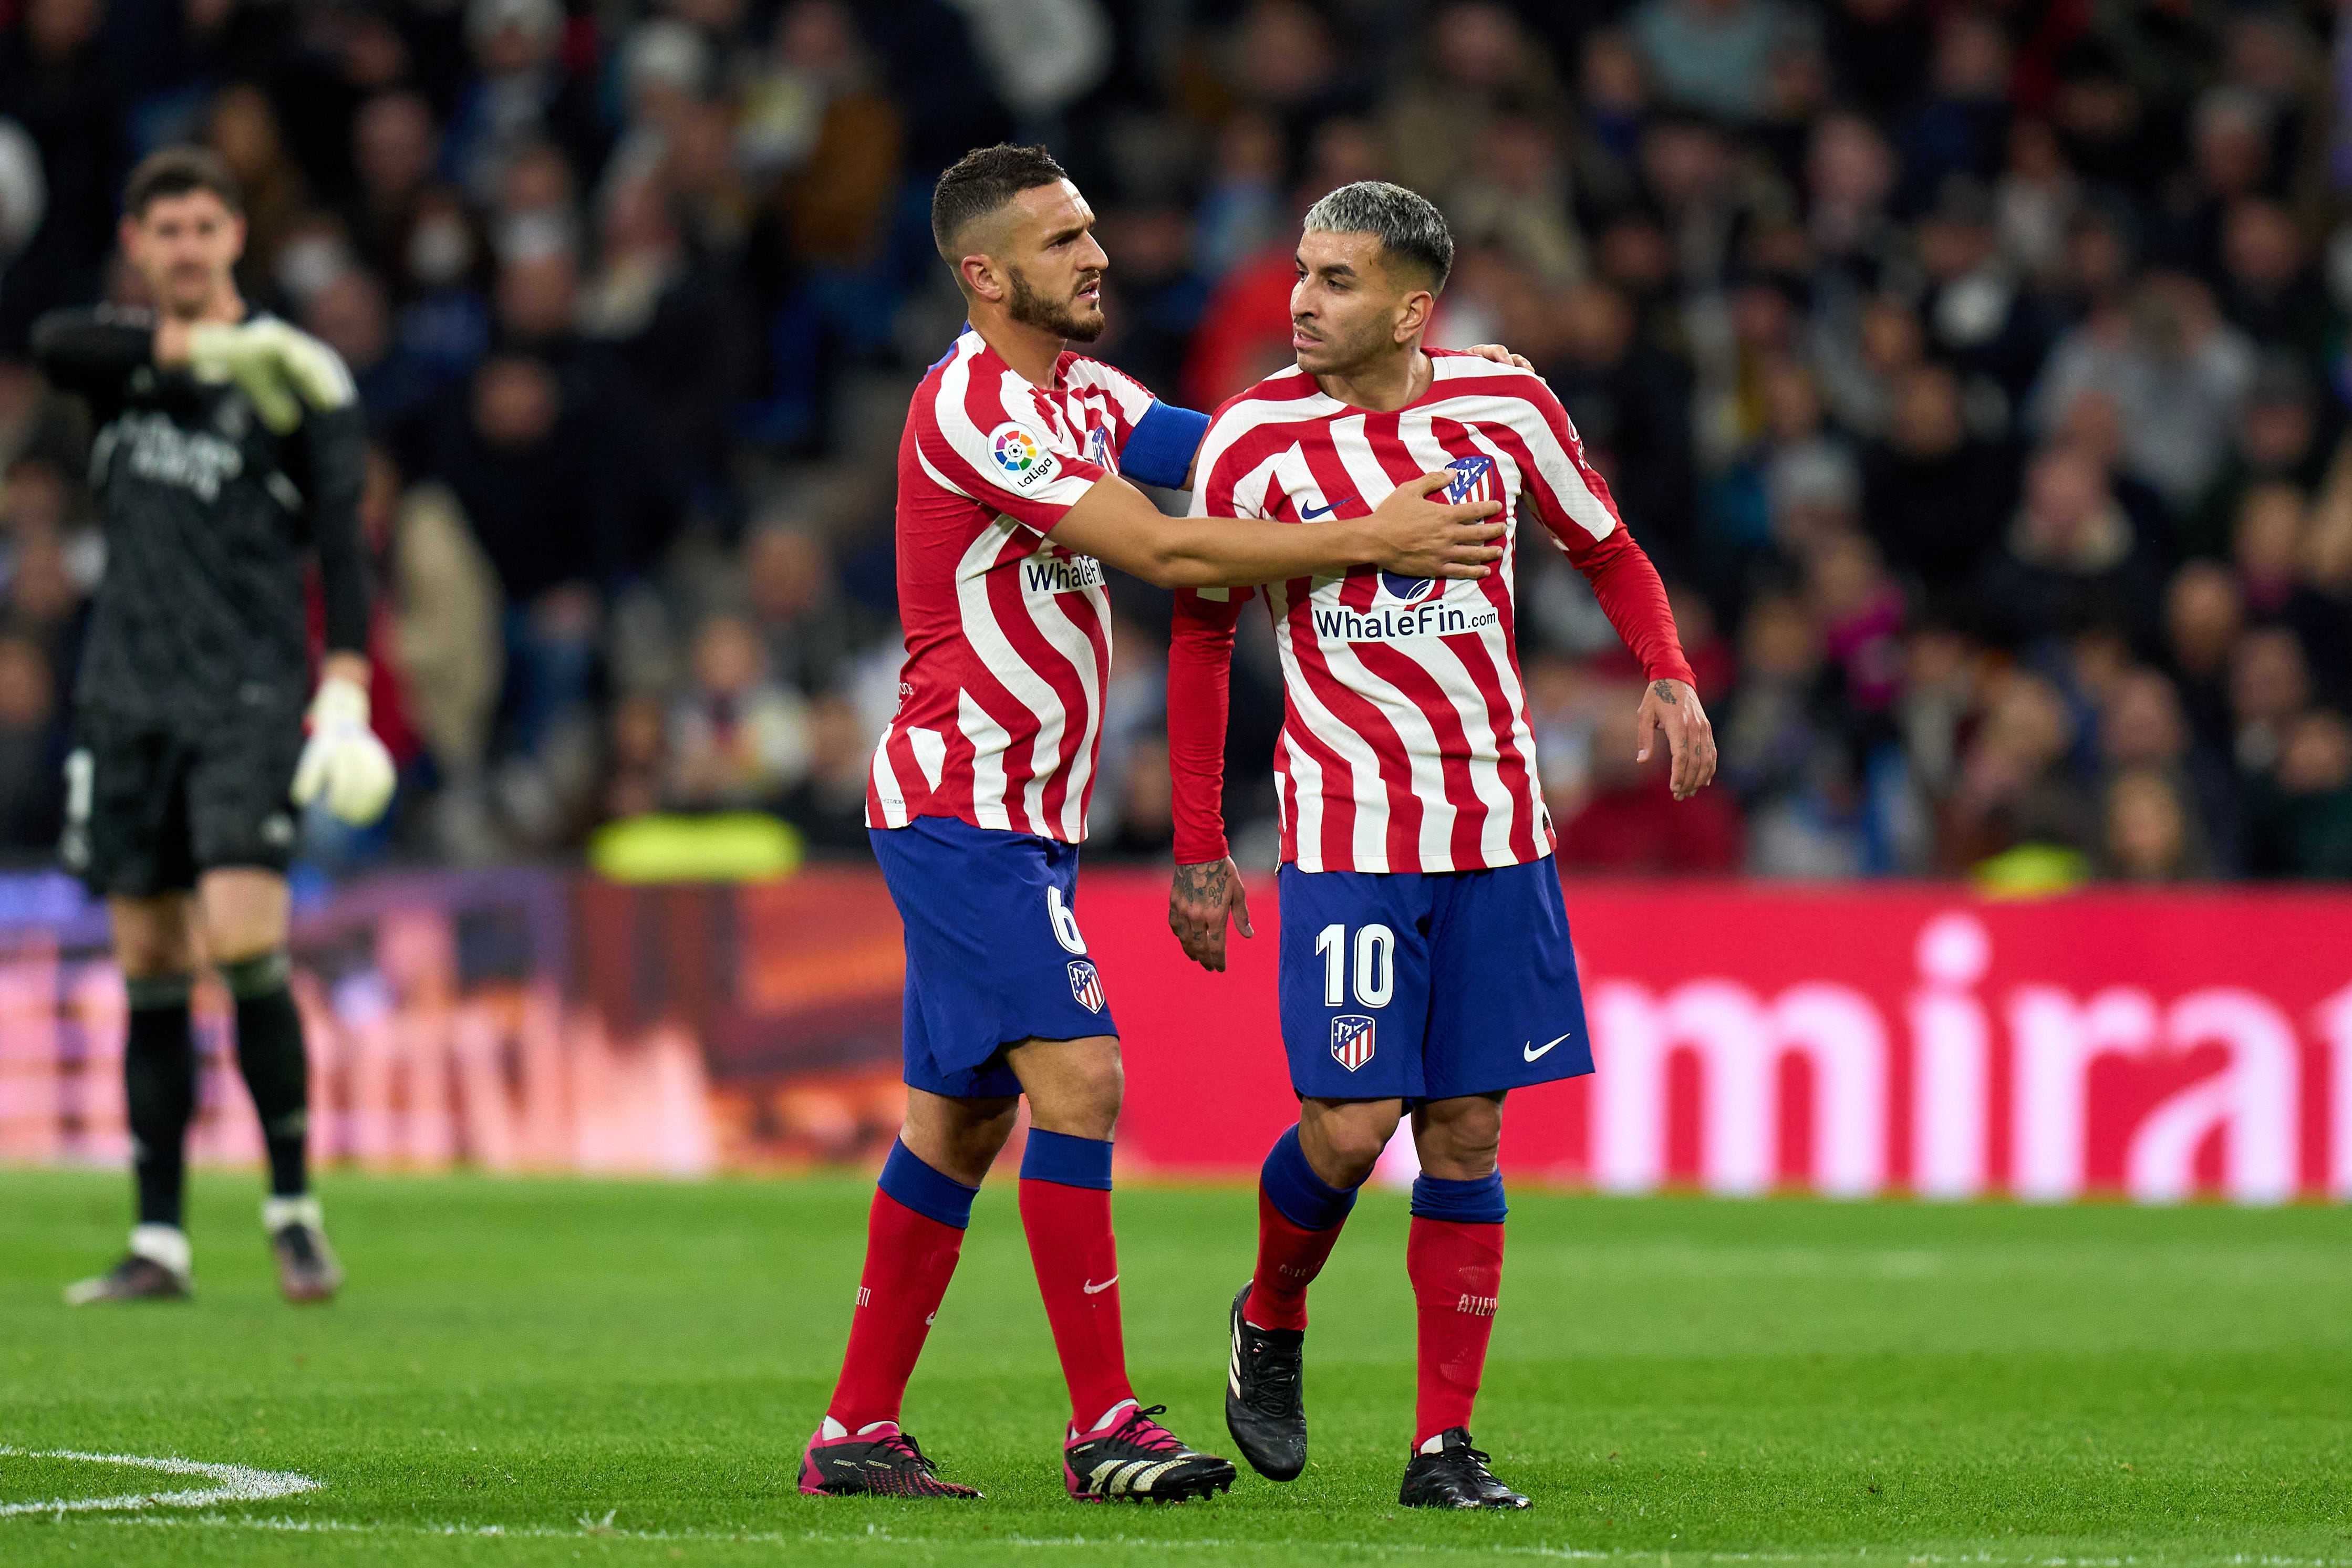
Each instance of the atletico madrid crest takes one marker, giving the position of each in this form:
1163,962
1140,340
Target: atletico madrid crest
1086,986
1352,1040
1474,479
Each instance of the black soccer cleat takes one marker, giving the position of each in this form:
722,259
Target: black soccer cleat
135,1279
1455,1475
881,1463
1265,1407
1138,1460
306,1270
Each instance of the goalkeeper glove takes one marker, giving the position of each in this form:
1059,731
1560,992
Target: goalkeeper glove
343,763
277,367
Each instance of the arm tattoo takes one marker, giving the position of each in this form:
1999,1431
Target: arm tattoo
1664,691
1201,883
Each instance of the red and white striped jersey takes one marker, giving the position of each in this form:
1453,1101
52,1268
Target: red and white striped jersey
1406,746
1008,634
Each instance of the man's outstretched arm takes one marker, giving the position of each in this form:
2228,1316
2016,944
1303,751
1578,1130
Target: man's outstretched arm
1207,889
1117,524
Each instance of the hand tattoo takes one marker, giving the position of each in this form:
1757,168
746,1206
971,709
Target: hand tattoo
1202,883
1664,691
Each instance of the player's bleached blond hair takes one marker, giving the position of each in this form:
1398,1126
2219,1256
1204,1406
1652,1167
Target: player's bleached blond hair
1406,223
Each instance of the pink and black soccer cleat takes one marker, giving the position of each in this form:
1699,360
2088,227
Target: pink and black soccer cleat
1134,1459
881,1461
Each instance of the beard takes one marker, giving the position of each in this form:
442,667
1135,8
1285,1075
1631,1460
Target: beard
1056,316
1331,357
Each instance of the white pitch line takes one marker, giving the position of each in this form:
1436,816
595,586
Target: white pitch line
231,1483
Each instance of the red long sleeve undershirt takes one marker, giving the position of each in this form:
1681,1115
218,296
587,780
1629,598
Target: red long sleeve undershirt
1200,667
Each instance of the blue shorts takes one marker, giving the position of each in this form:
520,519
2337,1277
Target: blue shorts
1427,987
994,954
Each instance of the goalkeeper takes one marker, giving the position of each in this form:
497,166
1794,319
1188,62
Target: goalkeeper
229,446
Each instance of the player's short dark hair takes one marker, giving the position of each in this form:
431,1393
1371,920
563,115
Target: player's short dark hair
1409,226
175,172
981,181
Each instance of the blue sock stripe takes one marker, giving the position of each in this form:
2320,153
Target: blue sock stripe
1305,1199
1067,1161
1478,1202
930,1193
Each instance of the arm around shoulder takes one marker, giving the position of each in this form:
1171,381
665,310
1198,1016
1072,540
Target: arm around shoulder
1117,524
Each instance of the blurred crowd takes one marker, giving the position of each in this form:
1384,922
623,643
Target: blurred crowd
1975,373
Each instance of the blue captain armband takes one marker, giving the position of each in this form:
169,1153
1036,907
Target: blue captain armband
1160,450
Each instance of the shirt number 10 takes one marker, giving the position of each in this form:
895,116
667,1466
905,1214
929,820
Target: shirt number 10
1375,965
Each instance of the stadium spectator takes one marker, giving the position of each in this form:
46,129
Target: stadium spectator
829,806
1932,491
395,148
2034,200
811,632
1477,64
1780,748
1859,612
2300,823
2142,730
58,86
32,751
1146,816
242,129
444,593
2204,615
2179,373
520,465
1629,820
1631,401
2278,438
1713,56
2014,786
2071,559
2269,683
2266,544
523,90
1959,127
349,314
673,327
736,738
2048,316
2148,834
637,758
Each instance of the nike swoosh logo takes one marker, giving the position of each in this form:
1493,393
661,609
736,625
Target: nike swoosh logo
1091,1288
1531,1052
1310,513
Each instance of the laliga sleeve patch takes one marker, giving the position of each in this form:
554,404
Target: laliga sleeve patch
1024,464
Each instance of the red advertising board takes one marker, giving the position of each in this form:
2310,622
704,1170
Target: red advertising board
1846,1039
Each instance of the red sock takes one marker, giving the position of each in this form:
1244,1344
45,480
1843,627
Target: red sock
1077,1259
909,1258
1289,1256
1457,1271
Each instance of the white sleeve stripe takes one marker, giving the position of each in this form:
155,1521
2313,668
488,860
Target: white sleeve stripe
884,780
1554,467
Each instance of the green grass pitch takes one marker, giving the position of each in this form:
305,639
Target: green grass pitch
561,1371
